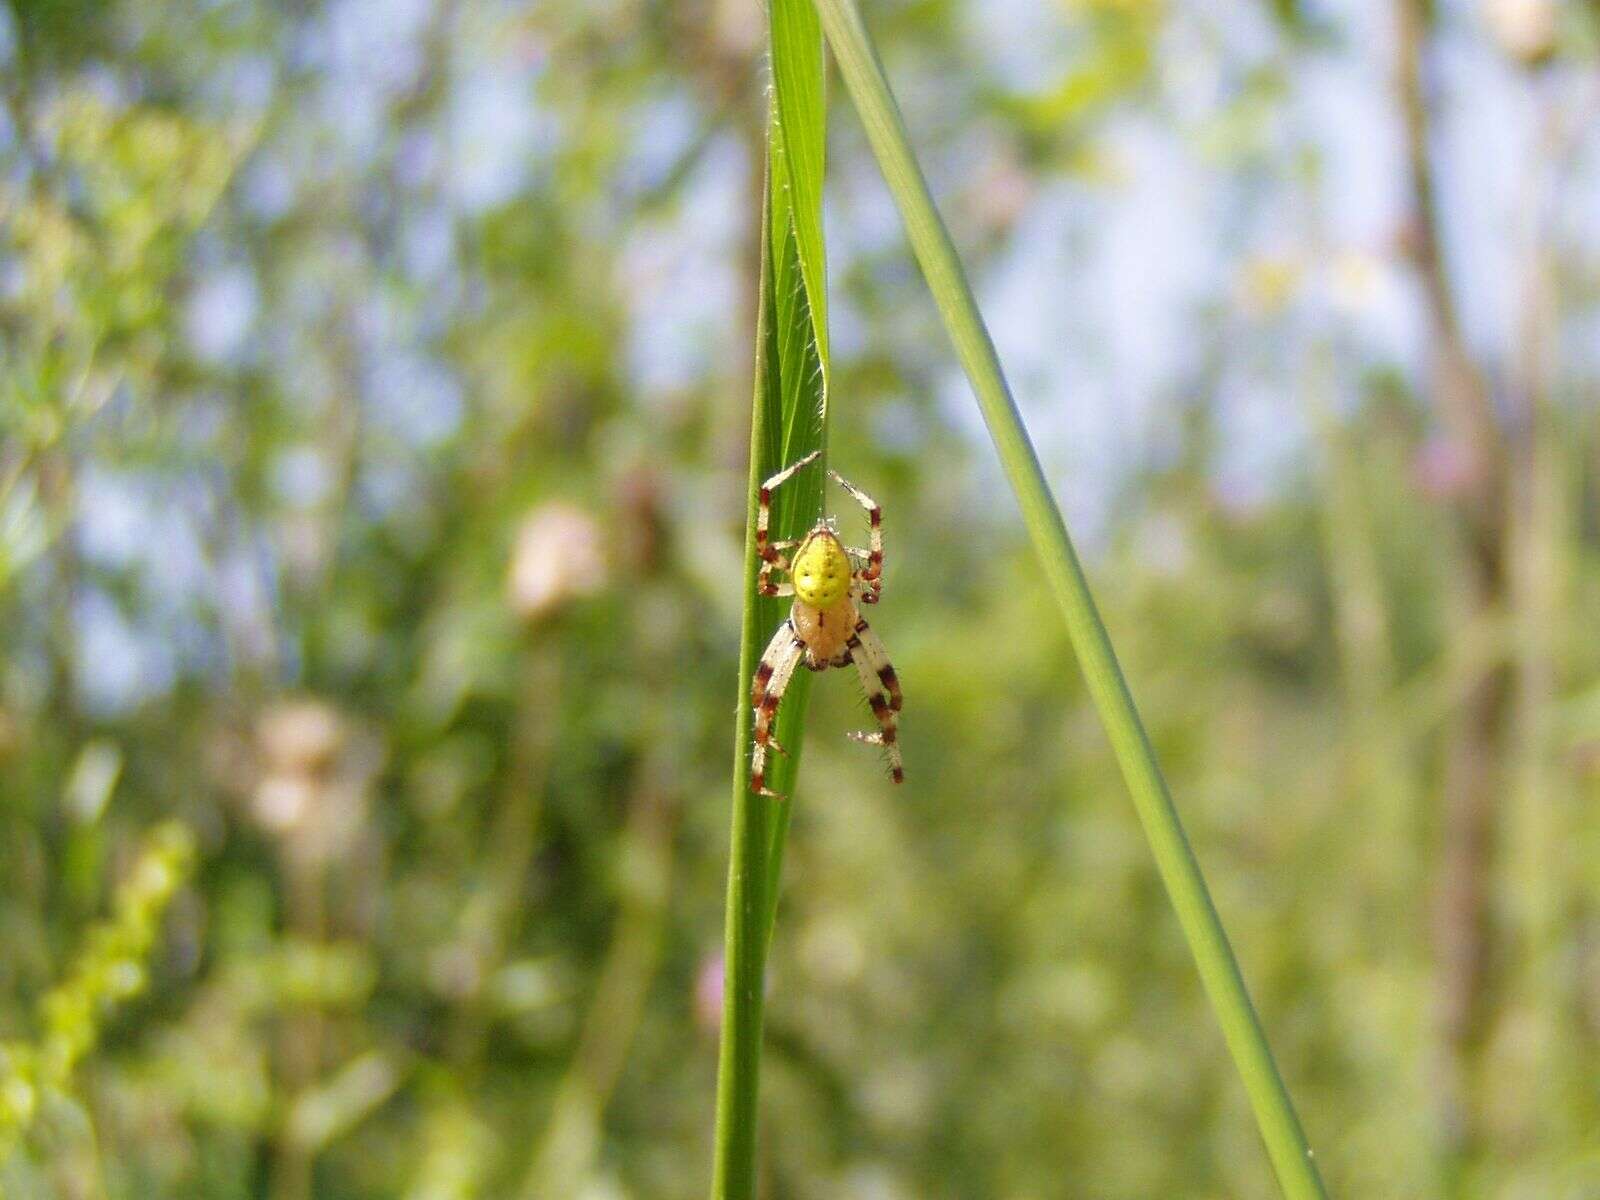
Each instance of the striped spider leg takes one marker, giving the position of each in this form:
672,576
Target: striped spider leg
824,628
870,576
778,661
878,681
770,552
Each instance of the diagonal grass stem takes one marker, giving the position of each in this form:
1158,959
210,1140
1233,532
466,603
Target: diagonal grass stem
1180,871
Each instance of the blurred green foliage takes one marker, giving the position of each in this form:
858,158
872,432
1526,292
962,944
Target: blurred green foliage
109,969
373,393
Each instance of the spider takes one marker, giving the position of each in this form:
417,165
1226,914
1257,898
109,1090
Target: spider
824,629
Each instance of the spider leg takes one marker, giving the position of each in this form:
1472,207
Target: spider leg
878,660
878,677
872,576
783,640
777,562
862,589
772,677
769,553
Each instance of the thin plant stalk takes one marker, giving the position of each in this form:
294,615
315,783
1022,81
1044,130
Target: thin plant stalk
864,78
745,922
789,421
759,822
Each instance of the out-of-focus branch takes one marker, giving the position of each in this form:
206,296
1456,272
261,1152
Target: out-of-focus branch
1380,747
1461,393
1541,563
567,1149
1460,389
492,915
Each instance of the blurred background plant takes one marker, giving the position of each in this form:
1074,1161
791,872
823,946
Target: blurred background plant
373,387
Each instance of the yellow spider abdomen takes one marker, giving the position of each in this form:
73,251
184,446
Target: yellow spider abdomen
821,570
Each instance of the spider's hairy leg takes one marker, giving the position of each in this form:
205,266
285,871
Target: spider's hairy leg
771,680
878,659
782,641
885,738
872,575
778,562
767,552
877,678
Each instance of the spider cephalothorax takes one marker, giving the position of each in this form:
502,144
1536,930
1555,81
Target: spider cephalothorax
825,628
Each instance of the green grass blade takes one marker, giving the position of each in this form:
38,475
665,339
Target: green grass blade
800,129
930,241
789,420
